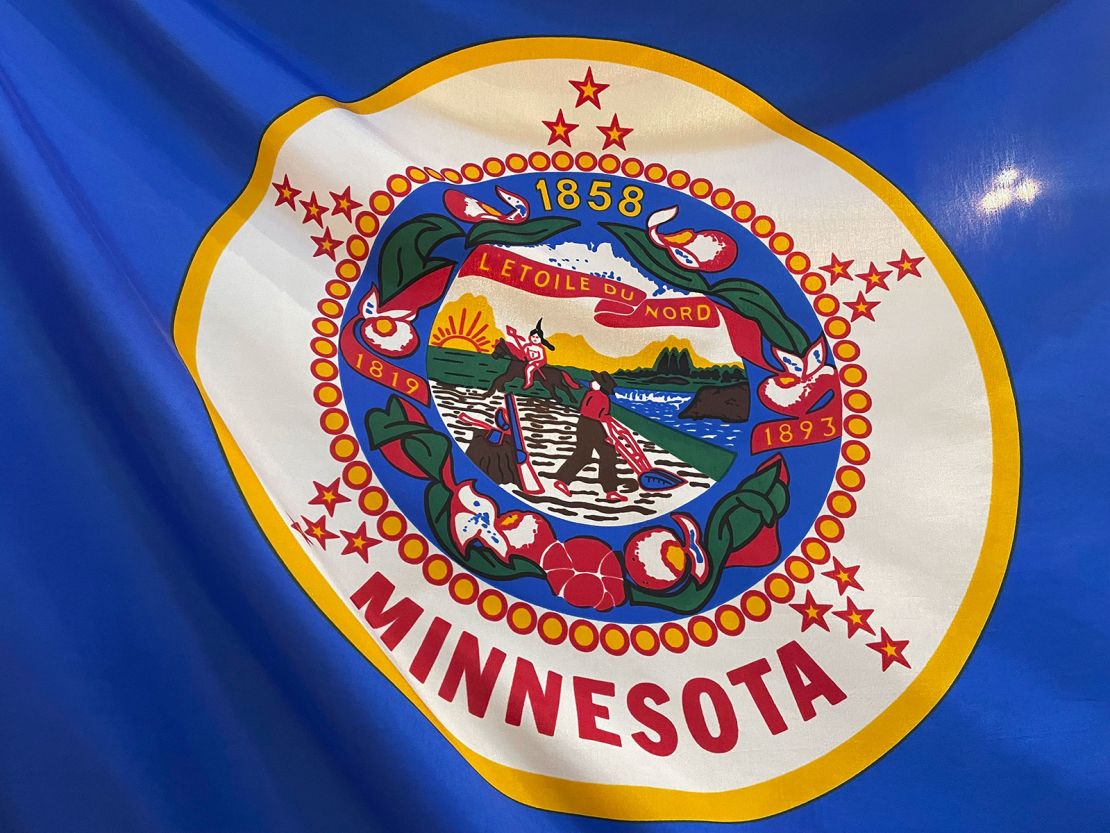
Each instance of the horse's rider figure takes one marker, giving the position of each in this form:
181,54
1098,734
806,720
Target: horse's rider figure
533,351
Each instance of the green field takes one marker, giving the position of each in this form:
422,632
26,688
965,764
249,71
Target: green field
463,367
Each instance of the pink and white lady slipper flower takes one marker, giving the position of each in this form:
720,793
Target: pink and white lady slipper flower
474,518
389,332
801,385
527,534
707,251
656,559
470,210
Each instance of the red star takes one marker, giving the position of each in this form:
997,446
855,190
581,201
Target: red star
812,612
297,526
313,211
906,265
560,130
844,577
614,134
329,496
344,203
838,269
874,277
286,193
588,90
890,649
861,307
856,618
318,530
358,542
325,244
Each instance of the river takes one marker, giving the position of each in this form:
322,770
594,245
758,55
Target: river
665,406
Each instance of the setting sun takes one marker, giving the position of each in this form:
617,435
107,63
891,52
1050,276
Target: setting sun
466,324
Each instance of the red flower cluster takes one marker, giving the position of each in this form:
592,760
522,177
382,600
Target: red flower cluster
585,572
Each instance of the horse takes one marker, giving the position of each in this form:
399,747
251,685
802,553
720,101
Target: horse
549,378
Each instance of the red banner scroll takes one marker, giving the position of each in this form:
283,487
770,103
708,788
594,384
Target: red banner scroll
377,369
511,269
821,426
618,304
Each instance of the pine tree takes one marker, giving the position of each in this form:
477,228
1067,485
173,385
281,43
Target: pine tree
664,362
684,364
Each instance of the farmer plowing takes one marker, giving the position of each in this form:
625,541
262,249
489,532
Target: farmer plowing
599,437
599,433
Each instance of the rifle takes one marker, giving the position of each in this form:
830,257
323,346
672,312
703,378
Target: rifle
529,480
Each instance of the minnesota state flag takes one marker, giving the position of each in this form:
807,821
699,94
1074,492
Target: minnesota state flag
487,416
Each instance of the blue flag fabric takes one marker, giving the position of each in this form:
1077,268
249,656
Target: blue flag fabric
162,668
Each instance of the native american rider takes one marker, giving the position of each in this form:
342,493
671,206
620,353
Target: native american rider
533,351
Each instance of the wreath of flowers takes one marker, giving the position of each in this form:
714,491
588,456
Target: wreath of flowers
740,530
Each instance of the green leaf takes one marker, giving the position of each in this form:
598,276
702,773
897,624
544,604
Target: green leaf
780,498
760,505
407,252
383,426
437,508
747,298
762,480
732,523
717,537
753,301
521,234
428,450
653,259
484,562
